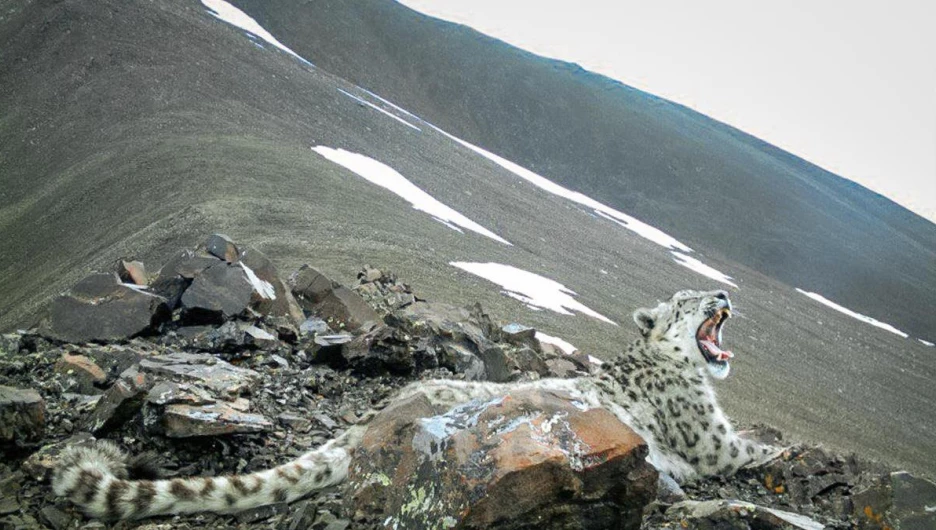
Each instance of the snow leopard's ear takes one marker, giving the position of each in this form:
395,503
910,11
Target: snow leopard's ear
645,319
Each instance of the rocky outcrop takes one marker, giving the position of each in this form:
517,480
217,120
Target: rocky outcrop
512,462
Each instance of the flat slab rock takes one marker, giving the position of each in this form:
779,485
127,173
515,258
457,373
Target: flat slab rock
102,309
730,514
512,462
185,421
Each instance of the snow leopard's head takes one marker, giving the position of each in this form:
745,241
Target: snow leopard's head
690,323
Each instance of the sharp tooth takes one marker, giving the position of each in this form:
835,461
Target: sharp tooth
719,335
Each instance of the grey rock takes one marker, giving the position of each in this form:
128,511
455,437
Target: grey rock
120,402
207,371
314,326
101,309
279,302
222,247
914,502
177,274
55,518
22,415
341,307
219,293
730,514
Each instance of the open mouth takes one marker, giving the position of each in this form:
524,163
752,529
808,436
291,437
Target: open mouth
709,338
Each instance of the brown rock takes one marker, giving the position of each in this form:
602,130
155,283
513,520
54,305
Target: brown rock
83,371
513,462
185,421
22,415
132,272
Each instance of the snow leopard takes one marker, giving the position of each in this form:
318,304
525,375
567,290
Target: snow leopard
660,386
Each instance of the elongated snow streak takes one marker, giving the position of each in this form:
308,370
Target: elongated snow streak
702,268
371,105
866,319
563,345
926,343
392,104
236,17
530,288
388,178
640,228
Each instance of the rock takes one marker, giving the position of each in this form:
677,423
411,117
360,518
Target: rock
132,272
729,514
314,326
375,352
310,286
341,307
120,402
914,502
22,415
207,371
10,343
512,462
259,338
83,371
561,368
461,360
169,393
55,518
185,421
271,295
519,334
40,464
219,293
101,309
295,422
222,247
177,274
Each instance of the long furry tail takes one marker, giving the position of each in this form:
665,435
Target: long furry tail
95,479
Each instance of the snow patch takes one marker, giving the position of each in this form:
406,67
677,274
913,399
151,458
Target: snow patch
397,107
531,288
866,319
371,105
263,288
703,269
566,347
926,343
234,16
640,228
386,177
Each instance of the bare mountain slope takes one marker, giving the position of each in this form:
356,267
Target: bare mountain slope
706,183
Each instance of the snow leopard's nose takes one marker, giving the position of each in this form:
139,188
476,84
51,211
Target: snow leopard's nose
721,295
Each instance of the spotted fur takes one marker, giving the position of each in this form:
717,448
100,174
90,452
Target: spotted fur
660,386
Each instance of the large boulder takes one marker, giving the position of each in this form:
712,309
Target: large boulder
279,302
519,461
220,292
339,306
102,309
22,415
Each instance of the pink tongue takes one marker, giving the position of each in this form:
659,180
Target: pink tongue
719,353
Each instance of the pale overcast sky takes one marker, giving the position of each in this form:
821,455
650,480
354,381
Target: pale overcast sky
847,85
